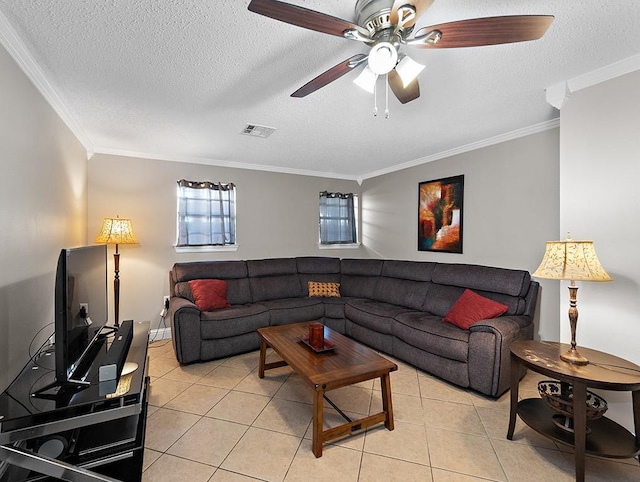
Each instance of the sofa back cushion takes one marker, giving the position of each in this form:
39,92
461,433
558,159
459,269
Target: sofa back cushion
233,272
209,294
511,282
318,264
407,293
317,269
410,270
272,279
505,286
404,283
358,277
209,269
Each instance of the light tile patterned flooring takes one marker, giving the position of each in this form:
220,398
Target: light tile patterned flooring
218,421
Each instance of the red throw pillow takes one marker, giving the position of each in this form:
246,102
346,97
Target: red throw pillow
471,308
209,294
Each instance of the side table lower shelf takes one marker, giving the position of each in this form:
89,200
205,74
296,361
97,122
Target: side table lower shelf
607,438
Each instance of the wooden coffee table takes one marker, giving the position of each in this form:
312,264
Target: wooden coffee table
348,363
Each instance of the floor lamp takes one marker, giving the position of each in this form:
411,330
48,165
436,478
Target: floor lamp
116,231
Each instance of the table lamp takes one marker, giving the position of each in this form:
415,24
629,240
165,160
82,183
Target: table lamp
574,261
116,231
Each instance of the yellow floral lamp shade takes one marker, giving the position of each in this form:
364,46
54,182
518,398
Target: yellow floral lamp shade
571,260
116,231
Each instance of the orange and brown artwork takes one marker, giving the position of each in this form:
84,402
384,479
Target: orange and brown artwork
440,215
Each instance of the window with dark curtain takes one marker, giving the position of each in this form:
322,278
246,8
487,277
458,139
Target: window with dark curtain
206,213
338,223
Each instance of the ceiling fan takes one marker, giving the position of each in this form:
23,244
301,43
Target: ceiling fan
386,26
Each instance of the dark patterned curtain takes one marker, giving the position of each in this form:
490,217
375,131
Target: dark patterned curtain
206,213
337,218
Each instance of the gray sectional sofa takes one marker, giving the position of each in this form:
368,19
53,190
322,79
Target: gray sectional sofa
393,306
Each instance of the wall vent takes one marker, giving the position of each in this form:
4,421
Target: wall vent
257,131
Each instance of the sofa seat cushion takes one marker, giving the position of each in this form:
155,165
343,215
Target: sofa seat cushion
233,321
374,315
334,307
429,333
293,310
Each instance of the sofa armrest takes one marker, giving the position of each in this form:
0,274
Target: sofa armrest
505,326
489,351
179,303
184,317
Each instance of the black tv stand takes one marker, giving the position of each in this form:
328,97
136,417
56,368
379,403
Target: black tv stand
60,391
90,433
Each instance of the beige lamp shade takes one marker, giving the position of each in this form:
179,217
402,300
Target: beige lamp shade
574,261
571,260
116,231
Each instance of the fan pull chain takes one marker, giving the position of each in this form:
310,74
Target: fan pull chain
375,98
386,95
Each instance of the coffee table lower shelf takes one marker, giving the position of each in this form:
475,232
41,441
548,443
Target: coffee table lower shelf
607,438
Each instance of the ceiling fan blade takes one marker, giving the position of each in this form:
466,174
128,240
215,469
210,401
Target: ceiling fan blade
404,94
330,75
486,31
304,17
421,6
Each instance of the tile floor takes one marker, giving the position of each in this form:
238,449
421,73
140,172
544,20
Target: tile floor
218,421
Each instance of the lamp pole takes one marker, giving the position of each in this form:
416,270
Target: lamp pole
116,287
116,231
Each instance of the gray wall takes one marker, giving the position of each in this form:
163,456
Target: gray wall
43,209
510,210
600,200
277,216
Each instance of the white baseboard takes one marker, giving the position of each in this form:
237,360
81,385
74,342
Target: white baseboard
160,334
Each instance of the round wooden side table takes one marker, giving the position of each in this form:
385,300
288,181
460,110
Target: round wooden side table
604,371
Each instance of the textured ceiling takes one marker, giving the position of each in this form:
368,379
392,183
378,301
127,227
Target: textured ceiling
178,79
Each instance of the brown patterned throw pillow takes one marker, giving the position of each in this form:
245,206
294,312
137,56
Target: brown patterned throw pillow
324,289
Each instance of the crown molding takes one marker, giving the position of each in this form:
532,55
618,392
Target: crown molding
221,163
557,94
18,50
541,127
508,136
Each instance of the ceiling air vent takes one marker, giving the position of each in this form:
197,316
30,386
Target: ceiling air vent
257,131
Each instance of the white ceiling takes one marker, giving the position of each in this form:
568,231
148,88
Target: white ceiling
179,79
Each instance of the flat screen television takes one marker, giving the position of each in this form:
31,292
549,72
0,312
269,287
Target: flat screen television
80,314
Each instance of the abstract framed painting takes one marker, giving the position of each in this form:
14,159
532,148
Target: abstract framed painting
440,204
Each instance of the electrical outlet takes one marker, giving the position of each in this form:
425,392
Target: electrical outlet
165,306
84,308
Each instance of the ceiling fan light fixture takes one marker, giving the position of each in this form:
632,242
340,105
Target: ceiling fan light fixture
366,80
408,70
383,58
